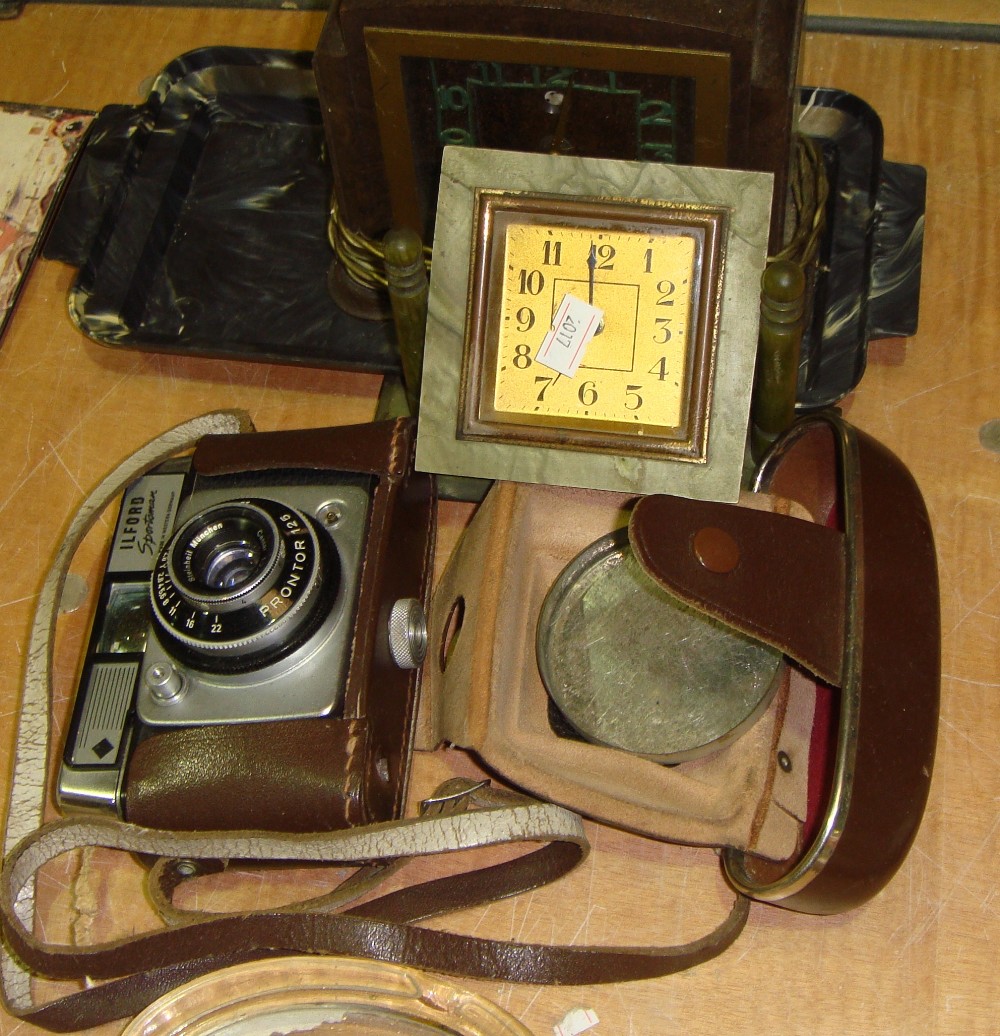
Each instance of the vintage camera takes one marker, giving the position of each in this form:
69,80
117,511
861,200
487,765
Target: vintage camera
227,620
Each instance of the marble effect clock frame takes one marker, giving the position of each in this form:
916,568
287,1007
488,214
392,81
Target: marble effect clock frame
748,197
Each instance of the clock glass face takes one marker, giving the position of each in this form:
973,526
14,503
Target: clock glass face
600,113
592,324
632,371
643,104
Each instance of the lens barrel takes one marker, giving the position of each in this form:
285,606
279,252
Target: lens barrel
243,583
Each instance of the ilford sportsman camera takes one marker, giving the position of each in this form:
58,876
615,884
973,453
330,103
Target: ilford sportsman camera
227,625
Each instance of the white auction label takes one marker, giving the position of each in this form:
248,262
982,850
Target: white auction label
574,325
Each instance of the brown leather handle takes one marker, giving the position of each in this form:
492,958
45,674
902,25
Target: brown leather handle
143,967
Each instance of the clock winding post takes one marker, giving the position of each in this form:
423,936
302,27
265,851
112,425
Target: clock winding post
782,323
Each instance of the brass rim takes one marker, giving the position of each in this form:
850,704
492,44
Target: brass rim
818,854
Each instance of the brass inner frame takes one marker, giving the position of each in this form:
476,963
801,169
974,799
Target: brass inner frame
494,211
388,47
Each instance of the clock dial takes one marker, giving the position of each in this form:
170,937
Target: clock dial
557,109
648,389
642,276
632,374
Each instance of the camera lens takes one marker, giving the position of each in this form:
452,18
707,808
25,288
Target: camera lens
232,566
225,553
243,583
234,554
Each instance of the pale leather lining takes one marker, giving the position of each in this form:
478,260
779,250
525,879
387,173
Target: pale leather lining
489,697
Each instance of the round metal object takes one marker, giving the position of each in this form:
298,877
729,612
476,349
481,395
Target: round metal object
165,683
243,583
408,633
631,667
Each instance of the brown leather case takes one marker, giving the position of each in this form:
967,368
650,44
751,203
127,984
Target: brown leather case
817,804
312,774
874,773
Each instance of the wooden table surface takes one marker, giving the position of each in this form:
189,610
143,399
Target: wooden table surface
921,958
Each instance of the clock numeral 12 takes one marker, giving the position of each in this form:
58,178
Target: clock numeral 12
606,253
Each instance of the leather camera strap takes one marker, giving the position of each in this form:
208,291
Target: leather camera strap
136,970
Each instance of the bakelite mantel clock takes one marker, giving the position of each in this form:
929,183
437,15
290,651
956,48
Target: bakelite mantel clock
687,82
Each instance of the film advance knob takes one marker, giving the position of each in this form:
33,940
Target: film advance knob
407,633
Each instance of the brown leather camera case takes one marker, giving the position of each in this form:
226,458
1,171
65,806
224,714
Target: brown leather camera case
831,560
310,774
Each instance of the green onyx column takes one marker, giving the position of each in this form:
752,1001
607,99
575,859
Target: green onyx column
782,311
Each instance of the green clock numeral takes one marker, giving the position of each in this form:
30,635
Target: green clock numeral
656,113
452,98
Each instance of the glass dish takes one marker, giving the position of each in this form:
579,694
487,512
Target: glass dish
339,996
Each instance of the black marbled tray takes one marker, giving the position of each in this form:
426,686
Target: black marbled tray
868,285
198,220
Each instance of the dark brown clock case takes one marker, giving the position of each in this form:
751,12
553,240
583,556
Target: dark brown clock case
392,73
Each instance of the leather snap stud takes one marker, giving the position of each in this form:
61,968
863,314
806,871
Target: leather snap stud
716,549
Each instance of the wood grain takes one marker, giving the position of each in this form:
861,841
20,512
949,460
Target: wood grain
921,957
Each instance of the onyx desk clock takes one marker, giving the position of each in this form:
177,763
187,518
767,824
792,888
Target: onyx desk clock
592,322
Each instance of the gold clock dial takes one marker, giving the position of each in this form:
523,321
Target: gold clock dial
643,275
632,374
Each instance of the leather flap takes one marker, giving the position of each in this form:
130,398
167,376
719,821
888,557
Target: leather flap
774,577
379,448
483,691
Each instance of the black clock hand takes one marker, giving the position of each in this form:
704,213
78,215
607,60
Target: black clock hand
592,266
